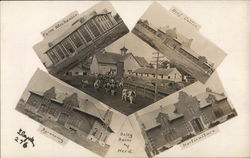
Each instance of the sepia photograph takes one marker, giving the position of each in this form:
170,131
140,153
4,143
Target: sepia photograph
124,79
70,112
187,48
183,115
128,75
76,37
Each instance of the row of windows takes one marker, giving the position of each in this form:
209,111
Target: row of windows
81,37
154,75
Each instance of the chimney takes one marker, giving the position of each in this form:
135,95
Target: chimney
189,42
123,50
105,11
168,66
108,117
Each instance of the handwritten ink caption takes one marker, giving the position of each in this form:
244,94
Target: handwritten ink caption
125,138
23,139
199,137
184,17
52,135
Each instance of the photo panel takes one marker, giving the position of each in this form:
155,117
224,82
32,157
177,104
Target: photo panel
70,113
129,75
69,43
179,40
183,116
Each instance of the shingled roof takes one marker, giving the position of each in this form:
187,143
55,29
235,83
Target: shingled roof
161,71
114,58
149,119
85,105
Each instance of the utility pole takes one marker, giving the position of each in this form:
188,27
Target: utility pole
156,73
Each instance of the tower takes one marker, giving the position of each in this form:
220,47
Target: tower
123,50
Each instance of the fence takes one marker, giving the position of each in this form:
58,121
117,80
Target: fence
147,90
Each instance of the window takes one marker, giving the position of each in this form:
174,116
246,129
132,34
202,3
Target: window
42,109
161,76
76,73
62,118
59,51
197,125
94,132
85,34
97,24
218,112
74,122
75,37
168,77
53,57
53,112
190,110
93,28
171,135
67,45
99,19
130,71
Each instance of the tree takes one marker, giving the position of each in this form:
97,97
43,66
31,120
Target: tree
151,65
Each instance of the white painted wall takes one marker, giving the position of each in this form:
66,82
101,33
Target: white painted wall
130,64
94,66
105,68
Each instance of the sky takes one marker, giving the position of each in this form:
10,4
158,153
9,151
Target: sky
134,45
160,17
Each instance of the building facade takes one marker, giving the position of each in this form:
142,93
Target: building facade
118,64
190,116
65,111
170,74
174,40
87,33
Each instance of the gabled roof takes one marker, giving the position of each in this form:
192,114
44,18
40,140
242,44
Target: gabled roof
85,105
108,57
161,71
202,98
141,61
149,119
114,58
